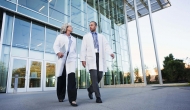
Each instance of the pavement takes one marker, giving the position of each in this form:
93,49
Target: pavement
133,98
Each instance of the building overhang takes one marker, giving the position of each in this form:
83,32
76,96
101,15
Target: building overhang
142,7
114,9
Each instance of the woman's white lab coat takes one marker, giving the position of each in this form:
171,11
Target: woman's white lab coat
70,61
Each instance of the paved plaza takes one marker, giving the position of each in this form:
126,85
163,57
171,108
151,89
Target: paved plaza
138,98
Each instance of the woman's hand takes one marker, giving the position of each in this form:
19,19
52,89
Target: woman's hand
60,55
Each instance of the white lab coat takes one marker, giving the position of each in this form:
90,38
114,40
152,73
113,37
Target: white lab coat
60,41
88,52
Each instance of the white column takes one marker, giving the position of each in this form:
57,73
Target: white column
9,70
2,32
154,42
129,48
140,44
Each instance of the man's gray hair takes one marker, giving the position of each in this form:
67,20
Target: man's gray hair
64,28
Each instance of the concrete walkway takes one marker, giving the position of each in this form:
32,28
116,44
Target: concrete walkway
140,98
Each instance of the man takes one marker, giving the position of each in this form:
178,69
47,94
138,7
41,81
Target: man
93,55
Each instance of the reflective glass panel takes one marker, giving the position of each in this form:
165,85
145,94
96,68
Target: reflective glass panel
37,41
59,9
8,30
51,35
21,37
40,6
50,75
19,68
35,74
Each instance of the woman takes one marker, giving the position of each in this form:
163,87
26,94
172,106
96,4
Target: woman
65,49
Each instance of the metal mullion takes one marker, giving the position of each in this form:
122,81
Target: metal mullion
30,39
44,65
48,11
70,12
16,5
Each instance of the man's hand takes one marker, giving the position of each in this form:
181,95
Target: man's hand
60,55
112,55
84,63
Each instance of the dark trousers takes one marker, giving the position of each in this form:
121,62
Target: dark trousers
71,86
96,77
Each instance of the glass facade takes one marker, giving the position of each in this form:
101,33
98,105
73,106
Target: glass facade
29,31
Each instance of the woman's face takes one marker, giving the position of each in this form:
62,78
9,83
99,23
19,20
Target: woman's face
69,29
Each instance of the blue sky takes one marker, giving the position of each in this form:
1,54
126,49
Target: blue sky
172,29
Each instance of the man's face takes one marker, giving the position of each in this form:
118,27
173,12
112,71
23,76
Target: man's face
92,27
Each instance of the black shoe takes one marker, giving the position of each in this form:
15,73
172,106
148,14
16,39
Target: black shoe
74,105
98,100
60,100
89,94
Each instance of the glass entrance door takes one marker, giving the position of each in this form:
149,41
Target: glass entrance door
18,67
35,75
49,77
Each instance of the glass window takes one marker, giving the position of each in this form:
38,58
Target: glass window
92,14
117,36
105,25
59,9
79,43
78,19
124,55
118,60
35,74
118,47
40,6
79,30
82,76
51,35
113,46
92,3
123,43
55,22
108,74
37,41
119,76
14,1
32,14
122,31
50,75
21,37
19,68
8,4
108,37
8,30
79,4
4,66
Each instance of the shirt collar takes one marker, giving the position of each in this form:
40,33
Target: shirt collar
93,32
68,36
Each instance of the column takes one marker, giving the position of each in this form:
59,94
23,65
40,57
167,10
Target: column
154,42
140,44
